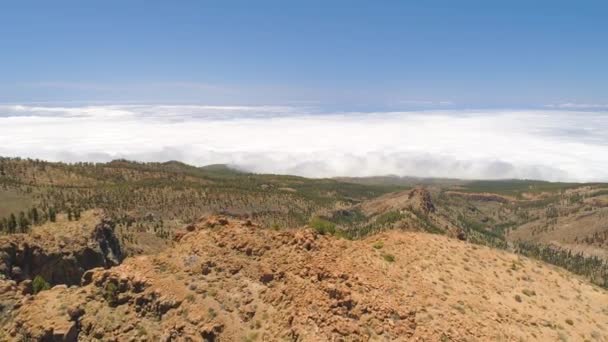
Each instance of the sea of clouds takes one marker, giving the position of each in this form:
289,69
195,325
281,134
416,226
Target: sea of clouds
551,144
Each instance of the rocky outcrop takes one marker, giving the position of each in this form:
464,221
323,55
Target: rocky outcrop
418,199
230,280
108,247
59,261
421,200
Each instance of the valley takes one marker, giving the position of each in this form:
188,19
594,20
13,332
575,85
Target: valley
166,251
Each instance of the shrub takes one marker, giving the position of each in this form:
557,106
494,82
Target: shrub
39,284
110,293
389,217
322,226
529,293
378,245
388,257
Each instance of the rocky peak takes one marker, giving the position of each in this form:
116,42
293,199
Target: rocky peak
421,199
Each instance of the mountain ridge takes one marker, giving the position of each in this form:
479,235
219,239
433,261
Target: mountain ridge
229,279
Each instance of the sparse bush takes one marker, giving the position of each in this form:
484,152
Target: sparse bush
40,284
378,245
110,293
322,226
389,218
388,257
528,293
552,212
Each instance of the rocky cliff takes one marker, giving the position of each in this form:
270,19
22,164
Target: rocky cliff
60,257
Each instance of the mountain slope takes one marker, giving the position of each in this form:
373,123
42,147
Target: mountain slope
175,192
565,226
229,280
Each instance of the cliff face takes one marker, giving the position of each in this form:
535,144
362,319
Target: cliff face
59,259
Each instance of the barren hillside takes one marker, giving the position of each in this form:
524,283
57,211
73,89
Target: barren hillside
229,280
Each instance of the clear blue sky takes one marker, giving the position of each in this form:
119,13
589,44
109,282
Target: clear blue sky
332,53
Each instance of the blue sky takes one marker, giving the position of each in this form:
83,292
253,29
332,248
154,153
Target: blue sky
334,54
469,89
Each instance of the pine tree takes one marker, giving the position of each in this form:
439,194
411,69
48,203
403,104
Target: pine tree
52,215
12,224
35,216
24,223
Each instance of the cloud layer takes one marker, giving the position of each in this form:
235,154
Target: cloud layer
554,145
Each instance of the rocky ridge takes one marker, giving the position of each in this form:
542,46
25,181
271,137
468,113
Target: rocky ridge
227,280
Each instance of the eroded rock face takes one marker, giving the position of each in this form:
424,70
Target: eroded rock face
422,199
24,256
107,243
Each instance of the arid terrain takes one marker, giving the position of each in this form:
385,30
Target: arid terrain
147,252
231,280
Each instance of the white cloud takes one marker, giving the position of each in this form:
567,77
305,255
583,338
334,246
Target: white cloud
552,144
425,103
575,105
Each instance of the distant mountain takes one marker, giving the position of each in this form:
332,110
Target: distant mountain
405,181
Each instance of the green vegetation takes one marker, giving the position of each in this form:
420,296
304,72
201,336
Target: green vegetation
426,224
348,218
481,233
110,293
156,198
516,187
23,221
388,257
528,293
594,268
325,227
389,218
12,200
39,284
177,193
322,226
598,193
